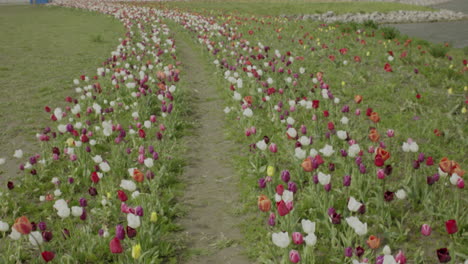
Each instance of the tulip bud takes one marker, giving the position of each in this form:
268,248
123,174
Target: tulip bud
294,256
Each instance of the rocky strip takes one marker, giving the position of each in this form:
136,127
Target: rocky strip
386,18
411,2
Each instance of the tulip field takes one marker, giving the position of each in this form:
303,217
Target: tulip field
353,144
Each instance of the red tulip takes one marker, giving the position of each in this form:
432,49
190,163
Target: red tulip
22,225
282,208
115,246
451,226
48,256
388,67
94,177
122,196
379,162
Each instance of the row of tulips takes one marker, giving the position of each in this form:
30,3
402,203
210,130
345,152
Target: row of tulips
318,159
101,189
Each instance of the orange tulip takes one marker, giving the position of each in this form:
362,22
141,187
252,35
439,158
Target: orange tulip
457,169
357,99
374,135
374,117
248,99
138,176
264,204
445,165
22,225
383,153
373,242
307,165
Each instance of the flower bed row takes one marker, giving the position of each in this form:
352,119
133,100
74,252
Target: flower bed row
335,181
103,186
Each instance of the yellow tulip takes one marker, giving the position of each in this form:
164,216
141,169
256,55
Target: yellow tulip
343,83
154,217
368,53
450,91
451,66
136,251
464,110
466,88
270,171
70,142
108,195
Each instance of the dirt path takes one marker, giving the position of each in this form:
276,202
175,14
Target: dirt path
211,194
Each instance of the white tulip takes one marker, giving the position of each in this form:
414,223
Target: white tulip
342,134
4,226
308,226
287,196
291,132
36,238
97,159
261,145
15,235
300,153
281,239
310,239
76,211
359,227
353,205
401,194
323,178
104,166
149,162
248,112
128,185
133,220
18,154
305,141
327,150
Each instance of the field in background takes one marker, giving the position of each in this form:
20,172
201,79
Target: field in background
42,49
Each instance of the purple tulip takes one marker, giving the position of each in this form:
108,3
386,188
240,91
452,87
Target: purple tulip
261,183
83,202
348,252
120,232
292,187
285,176
139,211
347,180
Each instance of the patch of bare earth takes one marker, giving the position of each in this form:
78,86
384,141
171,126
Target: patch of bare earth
211,224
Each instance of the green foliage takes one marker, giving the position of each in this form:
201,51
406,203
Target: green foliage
389,32
371,24
438,50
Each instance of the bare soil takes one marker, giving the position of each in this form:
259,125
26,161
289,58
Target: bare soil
211,225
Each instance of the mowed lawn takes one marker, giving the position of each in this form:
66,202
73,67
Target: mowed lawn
42,49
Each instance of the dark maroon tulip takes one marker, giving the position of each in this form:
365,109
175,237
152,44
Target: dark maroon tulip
443,255
359,251
362,209
47,236
131,232
42,226
388,196
92,191
336,218
10,185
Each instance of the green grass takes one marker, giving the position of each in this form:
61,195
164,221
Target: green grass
293,7
42,49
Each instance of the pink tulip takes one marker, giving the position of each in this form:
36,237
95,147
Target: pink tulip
294,256
426,230
461,183
297,238
273,148
400,258
381,174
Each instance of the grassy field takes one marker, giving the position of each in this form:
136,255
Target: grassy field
291,8
42,49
